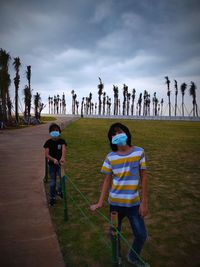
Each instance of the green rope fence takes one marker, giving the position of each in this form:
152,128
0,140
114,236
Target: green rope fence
101,237
116,259
107,220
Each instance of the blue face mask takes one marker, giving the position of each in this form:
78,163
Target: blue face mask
119,139
54,134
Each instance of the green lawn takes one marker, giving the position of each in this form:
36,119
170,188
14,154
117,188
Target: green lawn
172,152
47,118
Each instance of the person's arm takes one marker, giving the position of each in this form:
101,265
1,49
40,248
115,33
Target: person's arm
143,210
62,160
55,161
104,191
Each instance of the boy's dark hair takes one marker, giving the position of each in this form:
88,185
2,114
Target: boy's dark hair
114,128
54,127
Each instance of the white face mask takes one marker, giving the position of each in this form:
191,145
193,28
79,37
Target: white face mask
119,139
54,134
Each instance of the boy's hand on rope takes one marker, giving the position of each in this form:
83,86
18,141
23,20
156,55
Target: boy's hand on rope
62,161
95,206
55,161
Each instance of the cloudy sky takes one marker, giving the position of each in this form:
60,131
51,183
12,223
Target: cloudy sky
70,43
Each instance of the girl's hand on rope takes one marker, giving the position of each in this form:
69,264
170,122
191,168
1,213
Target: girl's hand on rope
95,206
143,209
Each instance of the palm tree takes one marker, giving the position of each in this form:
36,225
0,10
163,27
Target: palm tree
74,100
108,102
116,94
82,104
119,107
133,100
49,101
183,88
73,104
51,104
148,104
162,101
37,100
27,98
77,105
168,94
90,102
54,104
9,105
140,103
4,85
158,109
16,65
60,105
28,76
39,106
86,105
176,93
128,103
154,104
194,102
104,103
63,104
57,104
125,92
95,108
92,108
145,97
100,92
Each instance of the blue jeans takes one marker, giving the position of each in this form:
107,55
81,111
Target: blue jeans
137,225
54,170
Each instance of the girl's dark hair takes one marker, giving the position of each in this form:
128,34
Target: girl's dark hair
114,128
54,127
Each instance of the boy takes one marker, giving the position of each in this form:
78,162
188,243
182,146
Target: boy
124,168
55,153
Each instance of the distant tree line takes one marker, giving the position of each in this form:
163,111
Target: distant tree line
145,105
9,113
57,105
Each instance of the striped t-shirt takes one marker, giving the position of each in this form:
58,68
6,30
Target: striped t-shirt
125,170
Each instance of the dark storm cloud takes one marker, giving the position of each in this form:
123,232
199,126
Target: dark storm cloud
70,43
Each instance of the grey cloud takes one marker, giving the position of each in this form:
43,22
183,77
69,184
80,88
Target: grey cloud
71,43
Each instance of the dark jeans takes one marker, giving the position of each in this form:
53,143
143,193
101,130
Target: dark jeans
54,170
137,225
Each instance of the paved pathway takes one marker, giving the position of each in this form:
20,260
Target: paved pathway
27,237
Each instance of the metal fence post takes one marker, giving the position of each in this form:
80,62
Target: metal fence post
46,175
116,259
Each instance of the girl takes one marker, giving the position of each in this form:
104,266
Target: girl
124,169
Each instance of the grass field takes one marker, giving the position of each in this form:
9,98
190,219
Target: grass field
47,118
173,156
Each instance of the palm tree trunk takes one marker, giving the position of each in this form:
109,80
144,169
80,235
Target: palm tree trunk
16,106
4,106
182,105
197,110
169,105
99,104
193,107
175,104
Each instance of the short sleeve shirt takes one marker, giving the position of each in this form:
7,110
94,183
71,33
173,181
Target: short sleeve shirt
126,175
55,148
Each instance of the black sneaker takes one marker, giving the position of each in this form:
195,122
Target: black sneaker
60,194
137,263
52,201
